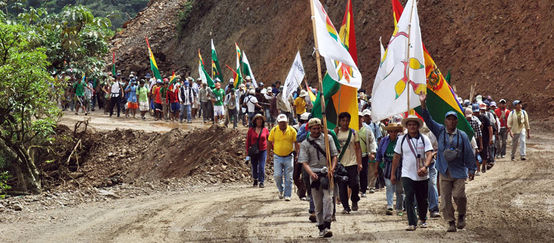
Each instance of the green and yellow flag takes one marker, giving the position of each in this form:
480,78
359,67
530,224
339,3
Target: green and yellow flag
216,69
153,64
203,73
341,98
238,73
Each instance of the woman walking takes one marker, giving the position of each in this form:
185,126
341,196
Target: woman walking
385,152
257,138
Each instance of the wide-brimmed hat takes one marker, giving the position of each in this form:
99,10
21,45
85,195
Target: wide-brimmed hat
412,118
394,127
258,116
303,93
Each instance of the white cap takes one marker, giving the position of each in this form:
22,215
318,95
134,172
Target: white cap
282,118
305,116
366,112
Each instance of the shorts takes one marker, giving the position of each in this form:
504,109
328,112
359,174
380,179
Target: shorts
144,106
158,107
175,107
219,110
132,105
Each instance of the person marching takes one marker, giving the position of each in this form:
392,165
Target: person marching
416,152
385,154
368,144
314,160
282,140
518,126
454,159
351,158
257,136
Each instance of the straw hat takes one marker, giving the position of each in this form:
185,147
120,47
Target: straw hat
303,93
412,118
394,127
258,116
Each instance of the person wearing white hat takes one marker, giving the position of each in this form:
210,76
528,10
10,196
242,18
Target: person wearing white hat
416,152
368,144
282,140
518,127
374,127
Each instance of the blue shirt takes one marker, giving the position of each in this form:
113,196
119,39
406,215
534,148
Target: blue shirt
459,167
376,130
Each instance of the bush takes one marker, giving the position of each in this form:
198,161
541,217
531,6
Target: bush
4,187
184,16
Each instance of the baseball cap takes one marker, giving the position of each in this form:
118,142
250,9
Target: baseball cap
502,101
366,112
517,102
468,112
493,103
313,122
451,113
483,106
305,116
282,118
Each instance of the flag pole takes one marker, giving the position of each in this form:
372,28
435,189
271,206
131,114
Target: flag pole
322,100
408,61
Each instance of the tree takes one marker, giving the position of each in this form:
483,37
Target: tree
28,110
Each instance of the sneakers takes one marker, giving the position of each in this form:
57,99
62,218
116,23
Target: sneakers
346,211
281,195
523,158
400,213
372,190
422,224
261,185
363,194
389,211
304,199
312,218
451,227
435,214
461,222
327,233
477,173
255,183
354,206
287,199
411,228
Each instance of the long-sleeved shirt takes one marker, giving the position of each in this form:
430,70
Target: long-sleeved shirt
459,167
368,143
517,121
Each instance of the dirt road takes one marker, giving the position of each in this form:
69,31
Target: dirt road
513,202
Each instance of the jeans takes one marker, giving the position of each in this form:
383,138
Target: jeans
394,189
364,174
185,109
250,116
283,167
258,166
417,189
519,138
432,189
354,184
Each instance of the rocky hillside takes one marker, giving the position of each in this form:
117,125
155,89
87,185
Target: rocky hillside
506,47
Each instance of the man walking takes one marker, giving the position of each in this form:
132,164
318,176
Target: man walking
518,126
351,158
502,113
454,159
313,158
368,144
219,110
282,140
416,152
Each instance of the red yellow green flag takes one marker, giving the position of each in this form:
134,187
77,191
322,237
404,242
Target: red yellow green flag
153,64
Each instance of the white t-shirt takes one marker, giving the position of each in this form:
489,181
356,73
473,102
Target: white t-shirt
251,102
409,162
115,89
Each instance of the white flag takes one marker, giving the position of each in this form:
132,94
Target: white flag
294,78
250,73
201,73
401,70
340,65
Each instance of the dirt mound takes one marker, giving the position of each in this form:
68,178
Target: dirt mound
503,46
213,155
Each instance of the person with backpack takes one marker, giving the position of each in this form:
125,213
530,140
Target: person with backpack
454,160
251,102
385,153
232,104
351,158
518,127
256,148
314,161
416,152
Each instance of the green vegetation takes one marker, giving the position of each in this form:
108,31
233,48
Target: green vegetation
33,47
117,11
184,16
4,187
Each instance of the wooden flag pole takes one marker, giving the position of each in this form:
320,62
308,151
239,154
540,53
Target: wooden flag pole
322,100
410,112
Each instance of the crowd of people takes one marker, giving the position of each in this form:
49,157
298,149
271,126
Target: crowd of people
411,158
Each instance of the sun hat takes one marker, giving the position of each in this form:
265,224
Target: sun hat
248,78
394,127
314,121
252,91
412,118
282,118
303,93
305,116
258,116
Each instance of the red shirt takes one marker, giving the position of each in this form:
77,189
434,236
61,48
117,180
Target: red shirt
498,112
157,95
172,96
252,137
